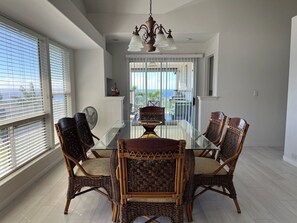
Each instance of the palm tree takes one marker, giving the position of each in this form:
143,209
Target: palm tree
28,94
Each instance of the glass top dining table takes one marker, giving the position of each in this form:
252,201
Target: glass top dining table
179,129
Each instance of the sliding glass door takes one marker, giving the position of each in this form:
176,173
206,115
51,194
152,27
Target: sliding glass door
165,82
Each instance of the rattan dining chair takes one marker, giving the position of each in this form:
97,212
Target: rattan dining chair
213,133
151,178
152,113
82,172
87,137
214,174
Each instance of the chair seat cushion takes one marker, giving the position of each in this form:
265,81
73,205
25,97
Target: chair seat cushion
103,153
198,153
207,166
98,166
152,200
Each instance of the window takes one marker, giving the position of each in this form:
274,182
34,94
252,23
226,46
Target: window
25,114
60,69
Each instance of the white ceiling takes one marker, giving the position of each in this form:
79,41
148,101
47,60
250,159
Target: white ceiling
41,15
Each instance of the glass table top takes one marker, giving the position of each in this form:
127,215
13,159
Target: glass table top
175,130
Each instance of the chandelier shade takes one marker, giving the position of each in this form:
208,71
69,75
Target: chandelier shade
153,37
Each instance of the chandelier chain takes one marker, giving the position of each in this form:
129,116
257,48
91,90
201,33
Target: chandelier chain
150,7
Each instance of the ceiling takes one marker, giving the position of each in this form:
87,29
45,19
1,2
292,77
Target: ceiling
51,22
42,16
133,7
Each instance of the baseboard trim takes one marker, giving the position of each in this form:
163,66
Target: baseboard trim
290,161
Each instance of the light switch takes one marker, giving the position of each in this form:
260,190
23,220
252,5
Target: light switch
255,93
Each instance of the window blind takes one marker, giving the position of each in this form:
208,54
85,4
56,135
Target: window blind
60,73
20,81
163,81
22,122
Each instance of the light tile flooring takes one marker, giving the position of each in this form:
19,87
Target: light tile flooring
266,187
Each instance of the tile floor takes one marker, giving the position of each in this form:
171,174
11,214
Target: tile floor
266,187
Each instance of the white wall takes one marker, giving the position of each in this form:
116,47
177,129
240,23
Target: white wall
290,154
90,89
253,55
120,71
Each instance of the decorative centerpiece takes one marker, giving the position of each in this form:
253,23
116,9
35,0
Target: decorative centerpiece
149,125
114,90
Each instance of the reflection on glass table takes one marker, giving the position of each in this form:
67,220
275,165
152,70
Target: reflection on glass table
180,129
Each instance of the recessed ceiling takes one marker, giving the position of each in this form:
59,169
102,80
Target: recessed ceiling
133,6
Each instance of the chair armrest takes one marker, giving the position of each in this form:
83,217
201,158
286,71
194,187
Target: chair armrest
114,180
97,155
96,137
231,159
79,166
189,169
87,147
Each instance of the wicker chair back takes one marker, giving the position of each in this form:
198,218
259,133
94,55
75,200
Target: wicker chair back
215,127
151,177
70,142
232,141
152,113
83,128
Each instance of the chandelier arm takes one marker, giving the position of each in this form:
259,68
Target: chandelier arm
143,26
164,30
145,36
156,27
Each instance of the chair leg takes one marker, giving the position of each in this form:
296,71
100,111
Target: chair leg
189,209
70,193
67,206
237,205
233,196
115,212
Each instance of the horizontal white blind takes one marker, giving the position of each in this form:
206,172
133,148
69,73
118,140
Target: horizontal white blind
20,82
60,72
21,95
20,144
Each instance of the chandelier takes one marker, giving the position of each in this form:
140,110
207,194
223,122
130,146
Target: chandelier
153,37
